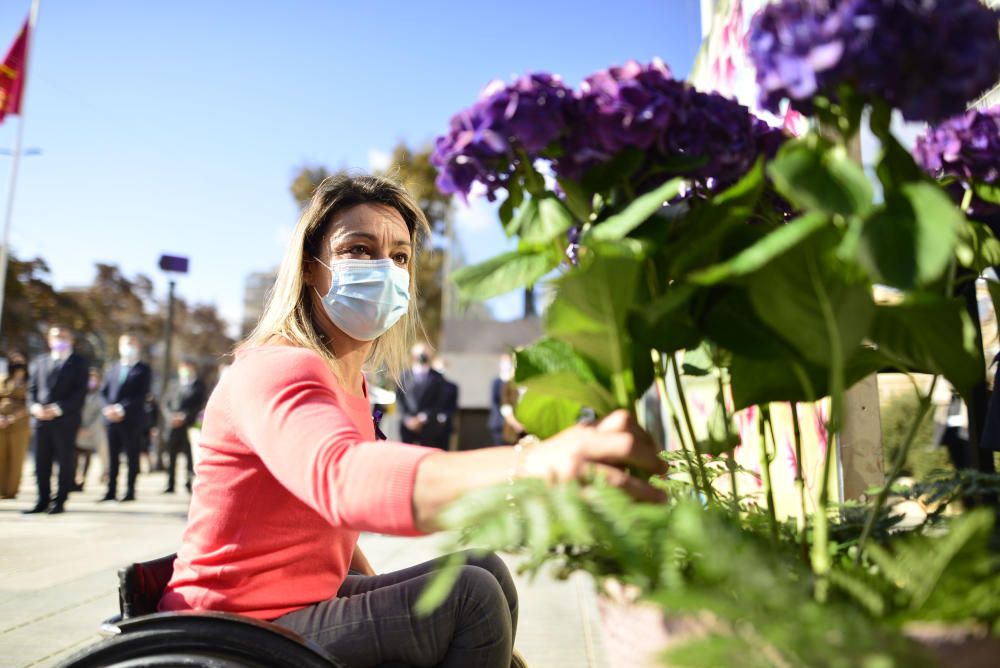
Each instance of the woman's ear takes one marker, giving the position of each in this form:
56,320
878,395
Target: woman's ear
309,273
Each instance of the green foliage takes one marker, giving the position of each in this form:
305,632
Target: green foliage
924,456
501,274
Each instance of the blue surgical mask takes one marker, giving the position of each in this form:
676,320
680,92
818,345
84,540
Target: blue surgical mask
366,297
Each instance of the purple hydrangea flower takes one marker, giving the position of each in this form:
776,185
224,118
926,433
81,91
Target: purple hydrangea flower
483,141
928,58
966,146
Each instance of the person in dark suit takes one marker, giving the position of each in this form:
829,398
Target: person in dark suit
423,398
56,391
504,427
185,400
124,391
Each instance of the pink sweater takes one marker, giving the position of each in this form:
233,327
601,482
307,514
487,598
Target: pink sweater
289,473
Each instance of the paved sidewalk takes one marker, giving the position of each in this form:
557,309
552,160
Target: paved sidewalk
57,576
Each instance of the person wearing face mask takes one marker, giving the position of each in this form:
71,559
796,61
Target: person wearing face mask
184,401
291,470
14,428
57,386
90,437
504,427
124,391
423,396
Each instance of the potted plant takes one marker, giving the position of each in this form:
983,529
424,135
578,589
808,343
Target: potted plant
691,240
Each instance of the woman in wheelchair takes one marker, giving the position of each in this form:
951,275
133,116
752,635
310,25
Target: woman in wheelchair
291,469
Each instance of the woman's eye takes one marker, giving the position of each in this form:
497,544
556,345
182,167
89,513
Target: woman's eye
402,258
358,250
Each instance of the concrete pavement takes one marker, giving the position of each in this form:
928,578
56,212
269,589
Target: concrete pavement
57,576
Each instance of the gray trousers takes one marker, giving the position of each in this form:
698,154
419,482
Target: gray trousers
371,621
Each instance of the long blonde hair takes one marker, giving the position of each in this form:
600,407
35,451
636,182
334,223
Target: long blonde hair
288,312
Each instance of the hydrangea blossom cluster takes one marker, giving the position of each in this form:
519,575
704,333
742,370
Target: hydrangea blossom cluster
927,58
704,136
966,146
482,141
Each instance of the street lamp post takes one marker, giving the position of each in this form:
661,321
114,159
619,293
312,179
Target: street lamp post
171,264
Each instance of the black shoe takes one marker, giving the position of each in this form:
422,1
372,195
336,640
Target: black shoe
127,498
38,508
169,490
55,509
107,497
77,487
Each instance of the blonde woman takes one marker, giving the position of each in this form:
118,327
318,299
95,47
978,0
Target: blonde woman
290,470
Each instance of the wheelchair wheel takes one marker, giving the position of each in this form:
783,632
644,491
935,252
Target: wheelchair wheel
198,643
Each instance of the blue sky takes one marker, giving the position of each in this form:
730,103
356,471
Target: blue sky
176,127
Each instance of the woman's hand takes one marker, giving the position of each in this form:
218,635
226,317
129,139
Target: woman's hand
584,452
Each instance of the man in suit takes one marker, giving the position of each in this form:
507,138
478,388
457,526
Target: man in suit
57,388
124,392
184,401
423,397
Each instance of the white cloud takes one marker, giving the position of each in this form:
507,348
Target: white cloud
378,161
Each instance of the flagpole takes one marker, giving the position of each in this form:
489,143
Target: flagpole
16,159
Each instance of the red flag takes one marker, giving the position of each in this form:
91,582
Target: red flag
12,74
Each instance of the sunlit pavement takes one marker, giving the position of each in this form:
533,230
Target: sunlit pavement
58,582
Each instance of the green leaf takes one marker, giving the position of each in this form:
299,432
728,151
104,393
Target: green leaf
552,220
896,166
930,337
756,256
665,323
577,199
515,195
591,305
787,295
524,218
621,167
977,248
731,322
501,274
545,416
638,211
547,356
762,381
909,241
571,387
987,191
814,174
722,437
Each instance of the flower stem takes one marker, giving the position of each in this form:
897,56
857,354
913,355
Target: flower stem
661,384
709,491
897,465
800,481
730,461
764,421
821,562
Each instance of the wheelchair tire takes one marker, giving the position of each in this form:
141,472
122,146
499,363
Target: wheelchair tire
198,648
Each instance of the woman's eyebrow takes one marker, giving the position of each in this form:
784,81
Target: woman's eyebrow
370,237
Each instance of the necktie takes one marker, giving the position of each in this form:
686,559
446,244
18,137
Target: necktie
123,375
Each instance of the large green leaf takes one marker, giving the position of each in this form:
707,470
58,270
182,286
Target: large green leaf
909,241
641,208
700,233
788,378
568,385
987,191
789,294
730,321
592,302
814,174
756,256
524,217
547,356
931,337
551,221
501,274
977,248
546,416
665,324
